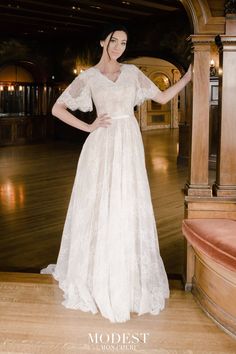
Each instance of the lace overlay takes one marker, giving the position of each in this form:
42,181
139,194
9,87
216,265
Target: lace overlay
109,258
77,95
146,89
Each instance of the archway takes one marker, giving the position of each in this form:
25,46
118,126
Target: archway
200,15
152,115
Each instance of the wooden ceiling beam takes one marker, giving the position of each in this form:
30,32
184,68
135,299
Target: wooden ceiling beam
40,21
80,14
154,5
109,7
76,15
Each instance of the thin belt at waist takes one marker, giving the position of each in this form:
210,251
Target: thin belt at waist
120,116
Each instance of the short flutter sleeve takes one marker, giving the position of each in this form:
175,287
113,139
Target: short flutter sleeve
77,95
145,88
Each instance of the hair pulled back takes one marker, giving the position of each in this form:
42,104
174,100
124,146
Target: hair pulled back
110,29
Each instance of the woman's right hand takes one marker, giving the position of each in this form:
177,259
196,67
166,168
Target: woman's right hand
102,120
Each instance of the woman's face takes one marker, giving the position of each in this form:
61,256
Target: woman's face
117,44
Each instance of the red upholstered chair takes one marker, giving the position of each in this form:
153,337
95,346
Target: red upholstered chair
211,267
214,237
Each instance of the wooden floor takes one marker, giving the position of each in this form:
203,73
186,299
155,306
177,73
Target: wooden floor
35,186
36,183
32,320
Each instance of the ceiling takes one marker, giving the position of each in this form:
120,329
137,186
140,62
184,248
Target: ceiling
79,17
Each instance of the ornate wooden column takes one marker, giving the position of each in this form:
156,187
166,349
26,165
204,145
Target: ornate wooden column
226,165
197,184
174,101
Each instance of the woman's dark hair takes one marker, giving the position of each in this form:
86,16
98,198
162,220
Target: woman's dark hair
110,29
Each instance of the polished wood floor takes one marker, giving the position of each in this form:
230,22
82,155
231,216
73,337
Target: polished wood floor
36,183
32,320
35,186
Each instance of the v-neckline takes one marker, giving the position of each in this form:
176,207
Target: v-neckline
113,82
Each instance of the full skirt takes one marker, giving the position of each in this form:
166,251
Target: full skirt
109,259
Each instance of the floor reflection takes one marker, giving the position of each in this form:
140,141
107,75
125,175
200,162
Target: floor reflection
12,196
160,164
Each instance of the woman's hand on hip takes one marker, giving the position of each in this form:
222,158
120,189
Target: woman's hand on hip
102,120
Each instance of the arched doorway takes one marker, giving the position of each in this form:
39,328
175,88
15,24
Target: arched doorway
152,115
25,104
15,83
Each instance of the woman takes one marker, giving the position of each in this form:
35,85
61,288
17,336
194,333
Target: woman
109,258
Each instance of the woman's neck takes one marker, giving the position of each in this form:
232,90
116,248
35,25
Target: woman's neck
108,66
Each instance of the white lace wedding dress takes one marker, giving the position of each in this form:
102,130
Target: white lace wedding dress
109,258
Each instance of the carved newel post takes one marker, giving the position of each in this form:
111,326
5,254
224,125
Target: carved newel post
226,167
198,184
174,102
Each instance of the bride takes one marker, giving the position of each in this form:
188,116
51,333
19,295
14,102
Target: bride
109,259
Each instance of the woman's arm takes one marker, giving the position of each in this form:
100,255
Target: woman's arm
59,110
163,97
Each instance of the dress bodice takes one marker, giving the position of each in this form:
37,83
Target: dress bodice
117,98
